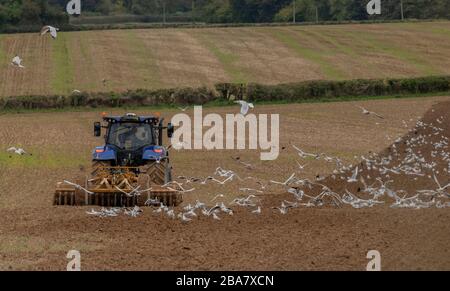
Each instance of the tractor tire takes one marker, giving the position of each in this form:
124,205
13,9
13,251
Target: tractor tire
158,173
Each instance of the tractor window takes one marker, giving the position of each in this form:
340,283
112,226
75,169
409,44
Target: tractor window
130,136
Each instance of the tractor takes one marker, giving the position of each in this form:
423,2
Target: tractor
131,168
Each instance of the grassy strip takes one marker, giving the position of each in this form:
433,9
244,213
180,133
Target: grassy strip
83,42
147,70
39,160
2,51
335,38
229,61
62,78
332,38
417,27
314,56
356,98
400,53
438,31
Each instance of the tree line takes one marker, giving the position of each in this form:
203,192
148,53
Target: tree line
38,12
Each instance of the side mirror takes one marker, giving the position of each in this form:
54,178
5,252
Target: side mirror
170,130
97,129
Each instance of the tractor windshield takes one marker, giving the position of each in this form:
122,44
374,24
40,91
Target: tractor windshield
130,136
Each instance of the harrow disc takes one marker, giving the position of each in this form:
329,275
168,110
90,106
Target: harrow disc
68,195
115,187
167,197
64,198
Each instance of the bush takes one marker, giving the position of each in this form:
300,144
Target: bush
291,92
331,89
138,97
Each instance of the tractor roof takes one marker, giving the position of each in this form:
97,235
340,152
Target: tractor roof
131,117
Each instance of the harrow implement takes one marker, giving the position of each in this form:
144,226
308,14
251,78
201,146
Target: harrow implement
115,187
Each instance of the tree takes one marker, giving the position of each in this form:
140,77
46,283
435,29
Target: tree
256,10
104,7
213,11
343,10
10,12
31,12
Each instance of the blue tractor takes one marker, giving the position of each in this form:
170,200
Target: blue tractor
131,168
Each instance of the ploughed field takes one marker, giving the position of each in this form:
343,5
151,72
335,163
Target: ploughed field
330,221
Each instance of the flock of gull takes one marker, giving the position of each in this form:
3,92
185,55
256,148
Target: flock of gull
406,159
422,155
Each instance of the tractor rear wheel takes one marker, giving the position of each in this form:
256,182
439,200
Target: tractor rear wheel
158,173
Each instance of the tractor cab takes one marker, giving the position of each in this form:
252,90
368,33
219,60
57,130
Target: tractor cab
130,135
131,140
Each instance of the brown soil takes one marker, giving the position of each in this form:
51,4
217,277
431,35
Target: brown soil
35,235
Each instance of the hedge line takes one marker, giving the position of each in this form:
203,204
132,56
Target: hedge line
139,97
332,89
186,23
302,91
351,88
129,18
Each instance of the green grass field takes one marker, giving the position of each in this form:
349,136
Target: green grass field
62,71
161,58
